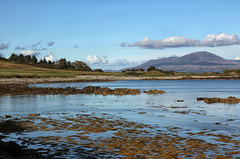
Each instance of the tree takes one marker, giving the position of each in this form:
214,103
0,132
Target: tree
44,60
68,65
151,68
13,57
98,70
21,58
62,63
81,66
27,58
141,69
41,61
33,59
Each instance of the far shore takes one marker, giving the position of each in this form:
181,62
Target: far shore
93,78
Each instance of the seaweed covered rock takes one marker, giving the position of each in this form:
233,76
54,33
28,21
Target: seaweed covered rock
12,150
24,89
154,91
107,91
229,100
10,126
126,91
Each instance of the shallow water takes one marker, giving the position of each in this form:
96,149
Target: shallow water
145,108
162,110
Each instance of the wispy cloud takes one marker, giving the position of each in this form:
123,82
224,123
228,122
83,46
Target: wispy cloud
50,43
75,46
39,49
4,46
20,48
210,40
1,54
32,47
35,45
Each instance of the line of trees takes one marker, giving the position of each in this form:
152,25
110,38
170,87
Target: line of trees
154,69
149,69
60,64
133,70
23,59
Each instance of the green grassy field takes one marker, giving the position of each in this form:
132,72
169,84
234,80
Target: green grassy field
8,70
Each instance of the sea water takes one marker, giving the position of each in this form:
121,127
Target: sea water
162,109
177,108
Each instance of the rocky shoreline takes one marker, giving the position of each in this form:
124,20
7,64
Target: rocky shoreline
127,140
91,78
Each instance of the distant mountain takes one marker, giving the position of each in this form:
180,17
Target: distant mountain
197,62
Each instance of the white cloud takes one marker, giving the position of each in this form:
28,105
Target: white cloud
169,42
210,40
49,57
237,58
103,63
122,62
222,39
93,60
29,52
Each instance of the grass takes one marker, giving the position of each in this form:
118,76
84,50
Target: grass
8,70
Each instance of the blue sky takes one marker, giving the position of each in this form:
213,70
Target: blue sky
113,34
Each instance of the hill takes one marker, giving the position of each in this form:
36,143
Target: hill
197,62
10,69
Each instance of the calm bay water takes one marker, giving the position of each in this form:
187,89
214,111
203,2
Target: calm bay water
161,110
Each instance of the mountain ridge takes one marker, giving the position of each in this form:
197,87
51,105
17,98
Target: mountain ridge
197,62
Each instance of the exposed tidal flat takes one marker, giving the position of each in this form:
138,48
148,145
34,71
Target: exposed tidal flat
169,125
